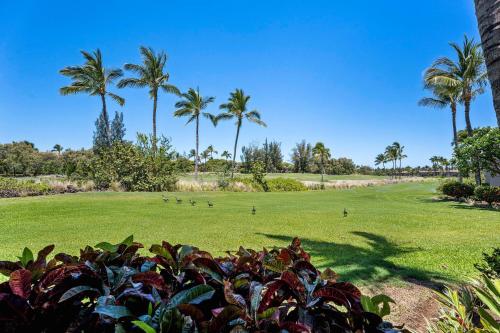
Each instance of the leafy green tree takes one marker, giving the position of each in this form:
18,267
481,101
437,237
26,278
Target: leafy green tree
93,78
302,156
118,128
151,74
101,138
192,105
237,108
322,155
481,150
58,148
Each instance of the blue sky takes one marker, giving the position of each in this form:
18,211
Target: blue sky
347,73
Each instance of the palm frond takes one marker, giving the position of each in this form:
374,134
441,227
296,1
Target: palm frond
118,99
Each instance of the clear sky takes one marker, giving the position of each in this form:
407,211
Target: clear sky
347,73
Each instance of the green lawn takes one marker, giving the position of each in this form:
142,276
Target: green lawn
392,232
209,176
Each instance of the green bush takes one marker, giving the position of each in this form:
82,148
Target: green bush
281,184
457,190
487,193
10,187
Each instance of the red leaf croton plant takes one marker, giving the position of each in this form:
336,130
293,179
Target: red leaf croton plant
178,288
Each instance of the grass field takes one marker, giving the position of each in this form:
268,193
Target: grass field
392,232
210,176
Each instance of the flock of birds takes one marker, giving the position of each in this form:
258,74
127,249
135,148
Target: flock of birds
193,203
211,204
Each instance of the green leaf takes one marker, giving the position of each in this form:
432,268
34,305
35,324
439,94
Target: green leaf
367,304
382,299
143,326
128,241
488,301
194,295
487,319
113,311
26,257
75,291
105,246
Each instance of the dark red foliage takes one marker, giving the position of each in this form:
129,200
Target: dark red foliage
111,287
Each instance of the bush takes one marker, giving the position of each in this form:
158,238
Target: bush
491,264
10,187
487,193
457,190
113,288
281,184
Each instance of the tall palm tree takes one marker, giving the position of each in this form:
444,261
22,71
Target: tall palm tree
392,155
467,73
211,150
226,154
191,105
192,154
151,74
488,20
322,154
205,154
93,78
57,147
381,159
237,107
444,96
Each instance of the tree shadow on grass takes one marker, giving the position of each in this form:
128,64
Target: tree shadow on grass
366,264
460,204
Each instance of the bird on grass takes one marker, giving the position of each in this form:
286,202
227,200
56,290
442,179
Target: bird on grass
210,204
254,210
165,199
179,201
345,212
192,202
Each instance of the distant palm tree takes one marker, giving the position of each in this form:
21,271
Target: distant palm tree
191,106
237,107
93,78
211,150
151,74
192,154
467,73
205,154
488,19
391,152
58,148
322,154
226,154
381,159
444,96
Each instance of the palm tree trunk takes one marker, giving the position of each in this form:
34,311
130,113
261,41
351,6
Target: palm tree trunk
455,135
469,133
235,146
488,21
106,119
197,147
155,103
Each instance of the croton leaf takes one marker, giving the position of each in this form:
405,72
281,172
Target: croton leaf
210,267
7,267
13,307
292,327
143,326
229,313
231,297
150,278
20,283
76,291
271,296
26,257
194,295
113,311
329,275
291,279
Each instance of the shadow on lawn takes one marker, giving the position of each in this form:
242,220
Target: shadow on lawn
459,204
365,264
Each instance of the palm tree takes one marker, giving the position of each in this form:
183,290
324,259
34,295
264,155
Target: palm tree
391,152
93,78
192,154
237,107
191,106
322,154
205,154
444,96
488,20
151,74
211,150
467,73
58,148
381,159
226,155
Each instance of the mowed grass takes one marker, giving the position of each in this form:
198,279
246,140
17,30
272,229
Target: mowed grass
211,176
392,232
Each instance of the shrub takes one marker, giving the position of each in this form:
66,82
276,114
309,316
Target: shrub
258,175
10,187
491,264
487,193
457,190
112,288
281,184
